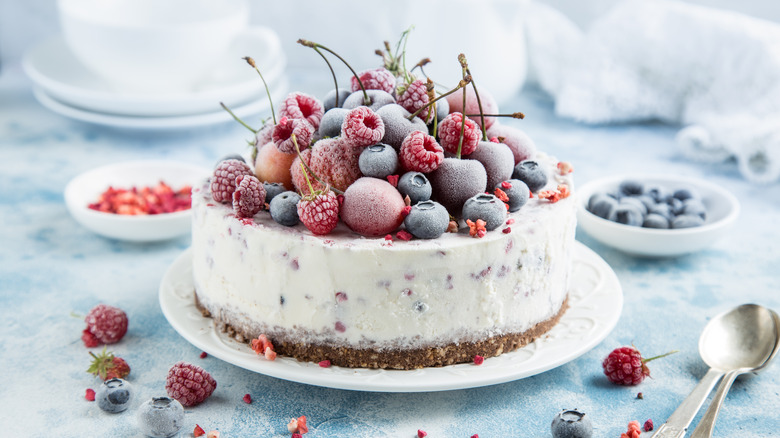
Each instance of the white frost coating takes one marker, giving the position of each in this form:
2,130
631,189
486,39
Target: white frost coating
412,294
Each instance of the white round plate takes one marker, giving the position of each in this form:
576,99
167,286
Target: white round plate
722,211
85,189
53,68
258,105
595,301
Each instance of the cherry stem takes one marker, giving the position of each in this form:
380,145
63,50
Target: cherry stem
462,119
313,45
658,357
332,73
237,119
465,65
307,169
251,62
463,82
517,115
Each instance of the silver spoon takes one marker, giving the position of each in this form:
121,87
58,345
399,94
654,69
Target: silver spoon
727,342
757,355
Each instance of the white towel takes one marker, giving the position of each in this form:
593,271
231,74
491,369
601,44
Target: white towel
713,71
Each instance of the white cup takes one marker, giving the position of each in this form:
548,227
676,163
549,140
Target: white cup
151,46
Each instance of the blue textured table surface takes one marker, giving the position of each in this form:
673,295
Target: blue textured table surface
50,267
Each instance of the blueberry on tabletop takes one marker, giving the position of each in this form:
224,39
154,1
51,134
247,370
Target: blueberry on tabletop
284,208
427,220
378,161
416,186
687,221
571,424
654,220
627,214
272,189
114,395
486,207
517,192
160,417
631,188
531,174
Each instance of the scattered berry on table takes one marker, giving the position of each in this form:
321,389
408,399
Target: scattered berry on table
90,341
203,355
497,159
114,395
160,417
329,101
247,399
420,152
284,208
189,384
198,431
531,174
299,105
378,161
108,324
455,181
372,207
516,191
362,127
319,212
249,196
89,395
330,126
625,366
479,360
223,182
521,145
378,98
486,207
284,130
272,189
427,220
571,424
397,124
107,366
648,426
298,425
449,134
421,433
416,186
374,79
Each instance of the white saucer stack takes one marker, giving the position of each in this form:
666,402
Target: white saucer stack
64,85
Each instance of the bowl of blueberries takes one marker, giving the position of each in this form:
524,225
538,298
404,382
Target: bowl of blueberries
655,215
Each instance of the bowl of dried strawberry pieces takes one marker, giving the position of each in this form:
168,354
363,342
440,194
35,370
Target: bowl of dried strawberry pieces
140,201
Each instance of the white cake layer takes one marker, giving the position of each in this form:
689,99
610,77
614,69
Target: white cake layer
346,290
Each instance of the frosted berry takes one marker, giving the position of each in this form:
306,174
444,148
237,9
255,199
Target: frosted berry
378,161
319,212
377,98
427,220
497,159
625,366
653,220
223,182
489,105
299,175
675,205
571,424
420,152
486,207
284,208
362,127
249,196
372,207
687,221
659,194
114,395
517,192
627,214
694,207
272,189
397,124
416,186
685,194
531,174
661,209
635,202
189,384
160,417
330,126
329,102
374,79
414,97
602,205
283,131
106,323
455,181
302,106
335,161
631,188
521,145
107,366
449,134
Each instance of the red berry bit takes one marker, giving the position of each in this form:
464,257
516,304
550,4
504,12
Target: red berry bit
421,433
393,180
105,323
107,366
478,360
319,212
415,97
324,364
633,430
198,431
247,399
90,341
648,426
449,134
298,425
625,366
262,345
362,127
146,200
284,130
90,395
302,106
203,354
223,182
565,167
477,229
249,196
374,79
404,235
189,384
420,152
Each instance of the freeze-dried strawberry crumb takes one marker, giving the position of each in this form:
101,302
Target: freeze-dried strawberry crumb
476,435
510,221
198,431
506,230
269,354
203,354
404,235
324,364
501,195
405,212
421,433
389,237
393,180
213,434
90,395
296,435
452,227
478,360
247,399
262,345
648,426
143,201
565,167
476,229
297,426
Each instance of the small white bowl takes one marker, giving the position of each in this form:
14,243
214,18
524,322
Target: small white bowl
87,188
722,211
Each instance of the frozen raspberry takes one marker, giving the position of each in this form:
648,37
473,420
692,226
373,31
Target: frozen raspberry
223,182
106,323
319,212
374,79
415,97
498,161
249,197
372,207
336,162
521,145
283,131
489,106
189,384
625,366
449,134
363,127
302,106
420,152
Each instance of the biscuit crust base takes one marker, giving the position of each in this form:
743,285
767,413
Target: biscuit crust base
408,359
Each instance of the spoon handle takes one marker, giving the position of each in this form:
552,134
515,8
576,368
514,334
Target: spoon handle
678,422
707,423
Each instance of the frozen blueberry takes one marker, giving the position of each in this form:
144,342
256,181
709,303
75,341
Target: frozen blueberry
694,206
627,214
687,221
571,424
416,186
675,205
654,220
284,208
647,200
486,207
272,189
230,157
517,192
602,205
160,417
329,102
378,161
114,395
631,188
397,124
683,194
330,125
635,201
659,194
531,174
662,209
377,98
427,220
